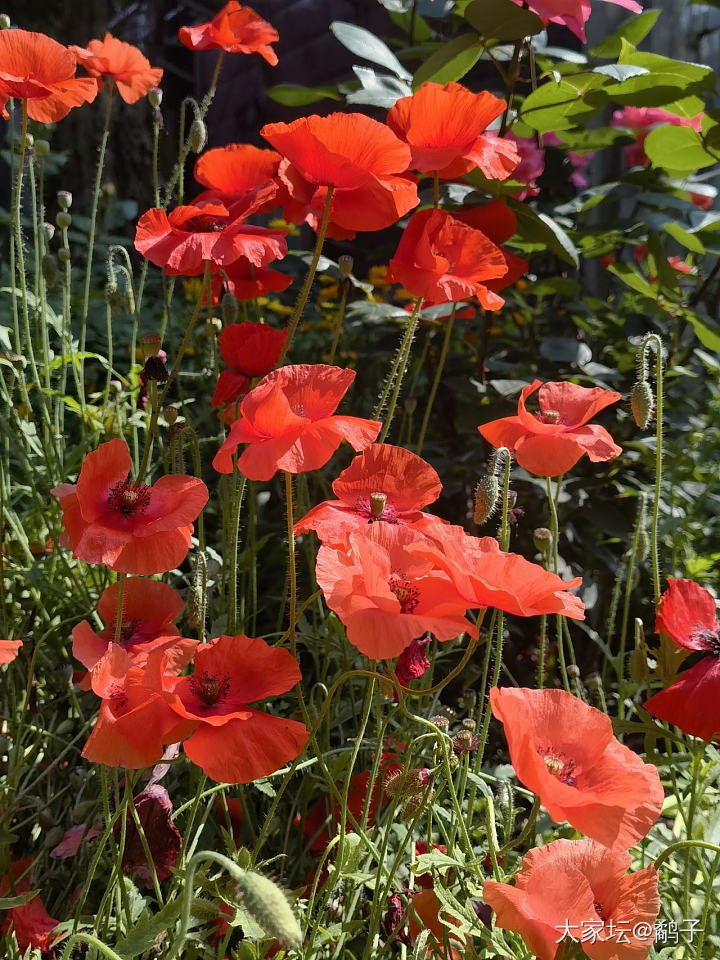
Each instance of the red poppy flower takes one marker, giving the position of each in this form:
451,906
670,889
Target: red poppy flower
441,259
387,596
552,441
443,127
235,29
497,221
31,923
383,483
183,240
250,350
134,723
149,607
687,614
9,649
154,810
360,158
488,577
288,422
412,662
579,889
37,69
246,281
231,742
232,171
565,752
129,527
121,62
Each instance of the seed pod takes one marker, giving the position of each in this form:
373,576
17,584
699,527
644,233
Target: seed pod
487,494
42,148
63,255
155,96
542,538
642,403
4,21
49,269
268,906
63,219
64,199
197,137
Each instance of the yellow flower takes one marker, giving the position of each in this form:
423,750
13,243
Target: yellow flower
279,224
376,275
192,287
277,307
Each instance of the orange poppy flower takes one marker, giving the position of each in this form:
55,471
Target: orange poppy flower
135,722
384,483
552,441
565,752
288,421
579,889
232,171
183,240
687,614
235,29
31,923
444,128
488,577
360,158
149,608
120,62
441,259
497,221
250,350
9,650
129,527
41,71
387,596
231,742
246,281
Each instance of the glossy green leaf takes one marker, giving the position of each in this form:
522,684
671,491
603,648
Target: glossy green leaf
561,106
502,20
688,240
364,44
678,149
633,31
666,81
540,228
451,62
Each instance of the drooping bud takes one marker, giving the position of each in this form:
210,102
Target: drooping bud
197,137
487,494
377,504
268,906
642,403
64,199
42,149
543,540
155,96
229,308
63,219
49,270
412,807
345,265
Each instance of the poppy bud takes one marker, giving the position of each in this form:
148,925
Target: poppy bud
468,724
4,21
412,807
487,494
112,294
542,538
229,308
412,783
377,504
345,265
155,96
197,137
42,149
63,220
48,231
64,199
128,300
643,545
642,403
63,255
49,269
269,908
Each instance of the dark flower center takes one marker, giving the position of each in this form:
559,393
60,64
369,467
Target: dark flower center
205,223
376,507
709,638
127,630
599,910
408,596
209,688
127,497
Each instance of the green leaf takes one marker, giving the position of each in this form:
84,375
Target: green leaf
633,30
295,95
561,105
688,240
143,934
364,44
620,71
633,278
451,62
539,228
9,903
667,80
708,337
502,20
378,89
679,149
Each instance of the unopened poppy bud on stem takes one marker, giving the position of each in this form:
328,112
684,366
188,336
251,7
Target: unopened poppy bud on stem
42,148
63,219
268,906
49,269
29,141
197,137
642,403
229,308
63,255
487,494
48,231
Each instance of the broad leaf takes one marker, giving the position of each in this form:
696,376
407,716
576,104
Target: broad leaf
451,62
502,20
633,30
678,149
364,44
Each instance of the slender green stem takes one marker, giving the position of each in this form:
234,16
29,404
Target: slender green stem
554,529
684,845
631,564
436,381
397,374
309,277
339,322
91,941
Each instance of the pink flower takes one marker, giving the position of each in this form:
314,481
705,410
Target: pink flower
531,166
641,120
573,14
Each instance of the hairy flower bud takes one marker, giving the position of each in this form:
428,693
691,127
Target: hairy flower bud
268,906
642,403
412,783
49,269
487,494
197,137
229,308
